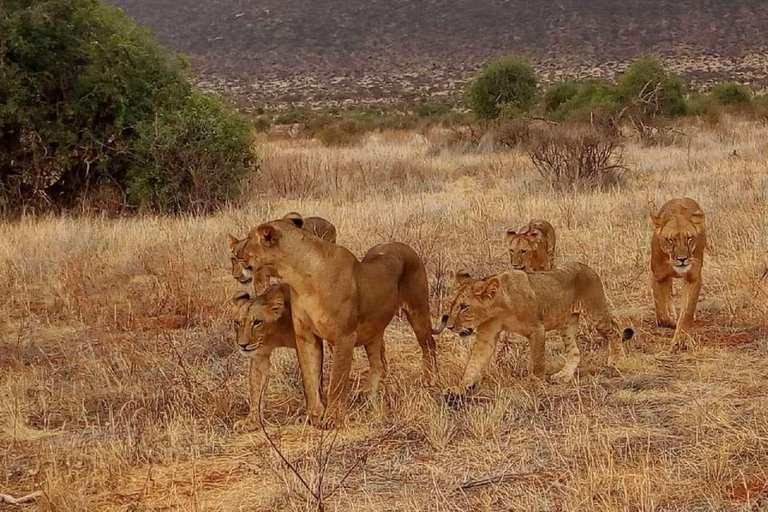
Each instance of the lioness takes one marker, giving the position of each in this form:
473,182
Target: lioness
530,304
532,248
262,324
344,301
245,271
677,251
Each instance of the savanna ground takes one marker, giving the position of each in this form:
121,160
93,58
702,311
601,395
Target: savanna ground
119,382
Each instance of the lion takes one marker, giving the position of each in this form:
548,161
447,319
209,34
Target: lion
530,304
677,252
532,248
243,269
262,324
346,302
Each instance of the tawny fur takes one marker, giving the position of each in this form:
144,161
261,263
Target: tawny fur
677,252
345,301
532,247
246,270
530,305
262,324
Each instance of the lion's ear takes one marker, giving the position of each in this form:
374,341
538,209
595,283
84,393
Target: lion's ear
462,276
486,290
295,218
657,221
240,298
267,235
233,241
698,218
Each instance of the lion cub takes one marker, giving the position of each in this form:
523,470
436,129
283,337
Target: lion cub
532,248
677,252
530,304
245,268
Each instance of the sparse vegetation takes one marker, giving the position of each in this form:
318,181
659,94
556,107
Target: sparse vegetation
505,85
119,382
577,158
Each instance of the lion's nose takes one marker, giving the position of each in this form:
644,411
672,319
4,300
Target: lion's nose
682,261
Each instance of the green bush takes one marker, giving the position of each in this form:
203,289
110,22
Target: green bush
509,82
650,90
431,108
731,94
593,98
189,157
80,83
703,105
558,94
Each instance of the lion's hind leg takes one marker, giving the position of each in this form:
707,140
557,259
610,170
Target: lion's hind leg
572,353
375,352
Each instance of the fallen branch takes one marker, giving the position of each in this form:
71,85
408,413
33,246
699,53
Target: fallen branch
7,498
506,477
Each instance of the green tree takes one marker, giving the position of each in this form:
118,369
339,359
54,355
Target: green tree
508,83
79,82
650,90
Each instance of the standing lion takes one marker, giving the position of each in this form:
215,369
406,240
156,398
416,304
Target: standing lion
677,252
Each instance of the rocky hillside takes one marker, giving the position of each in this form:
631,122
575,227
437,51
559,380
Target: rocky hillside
320,49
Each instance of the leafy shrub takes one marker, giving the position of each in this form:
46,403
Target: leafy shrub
593,98
576,158
79,84
559,94
703,105
509,82
189,157
731,94
430,108
649,90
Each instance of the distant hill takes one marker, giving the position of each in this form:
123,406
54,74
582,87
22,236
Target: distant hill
368,49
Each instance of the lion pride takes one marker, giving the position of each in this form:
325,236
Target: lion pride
346,302
677,252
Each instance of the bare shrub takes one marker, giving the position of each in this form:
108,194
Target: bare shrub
577,158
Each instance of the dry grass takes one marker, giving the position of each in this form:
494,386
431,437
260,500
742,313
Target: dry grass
119,384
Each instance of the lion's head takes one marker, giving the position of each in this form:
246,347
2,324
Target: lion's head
526,252
679,236
262,318
473,303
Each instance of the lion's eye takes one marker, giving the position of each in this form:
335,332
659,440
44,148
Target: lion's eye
237,324
522,252
689,239
463,307
257,323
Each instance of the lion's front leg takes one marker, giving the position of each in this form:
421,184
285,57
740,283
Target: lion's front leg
259,376
482,351
537,340
310,352
662,299
691,290
337,389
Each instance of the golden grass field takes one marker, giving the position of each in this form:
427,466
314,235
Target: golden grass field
120,384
